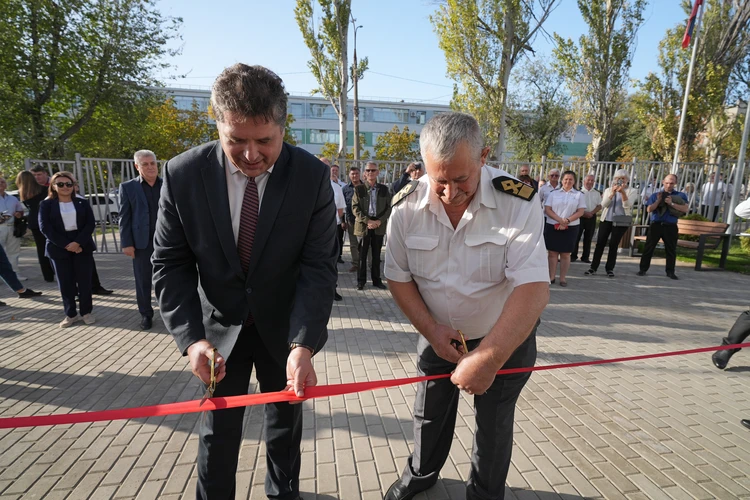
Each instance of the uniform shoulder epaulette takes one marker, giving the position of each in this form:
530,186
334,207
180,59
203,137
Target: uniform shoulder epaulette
514,187
404,192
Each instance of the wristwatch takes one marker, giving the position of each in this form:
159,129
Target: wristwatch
294,345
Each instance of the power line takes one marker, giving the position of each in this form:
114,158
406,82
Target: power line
409,79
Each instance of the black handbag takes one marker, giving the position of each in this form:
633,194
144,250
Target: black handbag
622,220
20,224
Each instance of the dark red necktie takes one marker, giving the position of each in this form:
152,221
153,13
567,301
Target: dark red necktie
248,223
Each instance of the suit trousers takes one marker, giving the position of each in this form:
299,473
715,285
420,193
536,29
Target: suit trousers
607,231
739,331
220,433
40,240
586,230
143,271
7,273
340,238
660,231
435,408
374,242
74,278
353,244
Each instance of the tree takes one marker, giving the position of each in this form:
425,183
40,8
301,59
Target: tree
61,61
328,47
597,67
539,114
482,41
331,150
289,137
397,145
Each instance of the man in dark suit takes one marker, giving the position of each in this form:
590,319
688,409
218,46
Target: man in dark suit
245,268
139,205
371,206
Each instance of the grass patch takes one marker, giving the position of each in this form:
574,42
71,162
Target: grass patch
738,259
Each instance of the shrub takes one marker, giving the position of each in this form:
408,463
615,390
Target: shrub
687,237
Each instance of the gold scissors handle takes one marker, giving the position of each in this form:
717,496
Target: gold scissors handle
212,382
463,342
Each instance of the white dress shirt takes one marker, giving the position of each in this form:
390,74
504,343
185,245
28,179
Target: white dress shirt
236,184
564,204
10,205
708,197
545,190
591,198
465,275
68,214
338,199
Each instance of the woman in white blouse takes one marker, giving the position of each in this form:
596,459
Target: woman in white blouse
68,223
563,208
617,201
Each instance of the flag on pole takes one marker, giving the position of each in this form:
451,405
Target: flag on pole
691,24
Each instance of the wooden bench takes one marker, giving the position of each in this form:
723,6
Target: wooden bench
710,234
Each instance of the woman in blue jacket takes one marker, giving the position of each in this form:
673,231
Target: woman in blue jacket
68,223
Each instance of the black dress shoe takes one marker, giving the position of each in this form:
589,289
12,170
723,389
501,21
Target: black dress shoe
586,261
341,261
146,323
101,291
673,276
745,422
399,491
28,293
641,273
380,285
50,280
337,297
360,287
721,358
2,303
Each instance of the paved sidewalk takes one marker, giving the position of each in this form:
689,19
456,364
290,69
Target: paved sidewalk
665,428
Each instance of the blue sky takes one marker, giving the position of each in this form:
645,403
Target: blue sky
397,37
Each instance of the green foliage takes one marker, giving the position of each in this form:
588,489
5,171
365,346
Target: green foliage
597,67
288,134
539,114
397,145
331,150
482,40
62,61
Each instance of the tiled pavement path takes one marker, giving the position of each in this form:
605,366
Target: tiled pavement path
666,428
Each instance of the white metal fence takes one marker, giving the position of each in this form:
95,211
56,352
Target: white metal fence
99,180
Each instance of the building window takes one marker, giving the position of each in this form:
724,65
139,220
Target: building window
421,117
297,109
323,136
185,103
324,111
299,135
390,115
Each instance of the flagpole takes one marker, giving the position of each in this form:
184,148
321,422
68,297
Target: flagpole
676,157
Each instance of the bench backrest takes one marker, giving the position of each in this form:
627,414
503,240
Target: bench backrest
697,227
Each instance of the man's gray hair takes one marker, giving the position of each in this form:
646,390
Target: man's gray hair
554,170
373,164
622,173
445,132
249,92
142,153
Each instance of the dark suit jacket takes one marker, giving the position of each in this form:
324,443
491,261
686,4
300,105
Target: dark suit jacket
198,279
133,215
52,227
361,208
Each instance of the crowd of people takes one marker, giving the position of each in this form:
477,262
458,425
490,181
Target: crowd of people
244,266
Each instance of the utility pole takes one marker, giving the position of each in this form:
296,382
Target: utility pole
355,78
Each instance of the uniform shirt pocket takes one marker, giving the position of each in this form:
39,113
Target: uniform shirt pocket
485,257
422,255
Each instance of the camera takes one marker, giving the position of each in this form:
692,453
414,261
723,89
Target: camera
619,182
417,166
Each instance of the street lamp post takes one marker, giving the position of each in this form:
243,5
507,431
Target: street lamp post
355,76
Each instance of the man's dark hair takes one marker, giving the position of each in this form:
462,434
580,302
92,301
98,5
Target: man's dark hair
38,168
250,92
354,168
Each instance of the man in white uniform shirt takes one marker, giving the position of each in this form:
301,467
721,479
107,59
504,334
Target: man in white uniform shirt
593,200
10,209
466,256
340,202
554,183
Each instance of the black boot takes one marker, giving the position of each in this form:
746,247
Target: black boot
721,358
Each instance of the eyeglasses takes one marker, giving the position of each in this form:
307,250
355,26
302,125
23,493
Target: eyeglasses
370,170
64,184
554,175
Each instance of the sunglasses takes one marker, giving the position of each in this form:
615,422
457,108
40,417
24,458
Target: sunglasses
370,170
64,184
554,175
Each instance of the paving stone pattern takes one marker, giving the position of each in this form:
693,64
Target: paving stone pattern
661,429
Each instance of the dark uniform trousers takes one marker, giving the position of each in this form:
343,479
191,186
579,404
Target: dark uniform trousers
586,230
435,409
74,278
143,271
374,242
660,231
220,432
607,231
739,331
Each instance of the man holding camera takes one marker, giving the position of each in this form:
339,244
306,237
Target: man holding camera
665,207
413,172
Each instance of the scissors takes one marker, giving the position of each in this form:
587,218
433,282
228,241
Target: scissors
463,342
212,384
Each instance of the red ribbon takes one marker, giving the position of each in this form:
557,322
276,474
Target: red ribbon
320,391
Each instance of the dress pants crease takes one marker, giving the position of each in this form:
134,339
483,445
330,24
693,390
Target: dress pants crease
143,271
220,434
370,242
